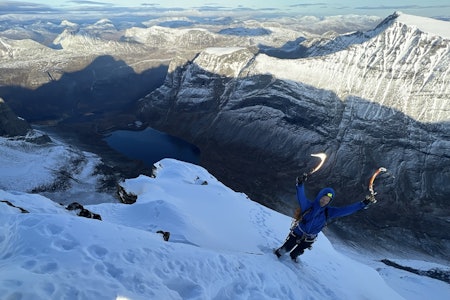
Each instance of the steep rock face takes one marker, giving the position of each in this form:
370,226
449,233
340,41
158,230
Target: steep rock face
10,123
383,101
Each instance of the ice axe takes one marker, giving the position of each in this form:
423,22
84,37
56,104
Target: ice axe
372,179
322,157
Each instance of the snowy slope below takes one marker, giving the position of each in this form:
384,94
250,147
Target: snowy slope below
220,248
62,172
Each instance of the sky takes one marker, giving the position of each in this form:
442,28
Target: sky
220,247
432,8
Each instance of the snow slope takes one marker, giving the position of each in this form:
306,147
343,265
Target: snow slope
65,172
220,248
433,26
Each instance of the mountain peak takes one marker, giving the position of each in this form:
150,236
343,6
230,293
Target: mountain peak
103,21
67,23
224,61
427,25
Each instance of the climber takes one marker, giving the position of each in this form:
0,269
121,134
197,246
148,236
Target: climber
312,217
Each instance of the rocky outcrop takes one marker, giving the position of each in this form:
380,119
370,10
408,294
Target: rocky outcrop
380,102
14,126
443,275
22,210
10,123
124,197
81,211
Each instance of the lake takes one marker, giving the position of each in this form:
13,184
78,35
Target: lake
150,146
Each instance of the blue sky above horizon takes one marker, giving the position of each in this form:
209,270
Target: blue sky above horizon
432,8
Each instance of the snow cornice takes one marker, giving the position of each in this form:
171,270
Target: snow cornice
426,25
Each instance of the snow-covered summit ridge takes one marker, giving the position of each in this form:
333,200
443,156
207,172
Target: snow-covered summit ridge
429,25
67,23
396,65
222,51
224,61
220,247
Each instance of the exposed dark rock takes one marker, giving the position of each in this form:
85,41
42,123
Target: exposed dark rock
22,210
10,123
165,234
38,139
124,197
83,212
443,275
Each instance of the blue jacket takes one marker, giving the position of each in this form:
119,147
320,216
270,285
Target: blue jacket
314,221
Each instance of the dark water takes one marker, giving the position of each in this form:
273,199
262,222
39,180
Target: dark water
151,146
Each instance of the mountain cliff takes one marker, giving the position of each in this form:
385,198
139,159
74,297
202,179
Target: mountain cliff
381,98
10,123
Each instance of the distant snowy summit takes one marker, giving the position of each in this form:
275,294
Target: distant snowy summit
429,25
67,23
401,64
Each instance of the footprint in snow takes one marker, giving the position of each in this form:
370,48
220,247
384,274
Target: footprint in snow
65,243
97,252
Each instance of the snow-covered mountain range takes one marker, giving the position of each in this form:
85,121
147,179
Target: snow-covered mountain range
380,99
257,115
68,46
